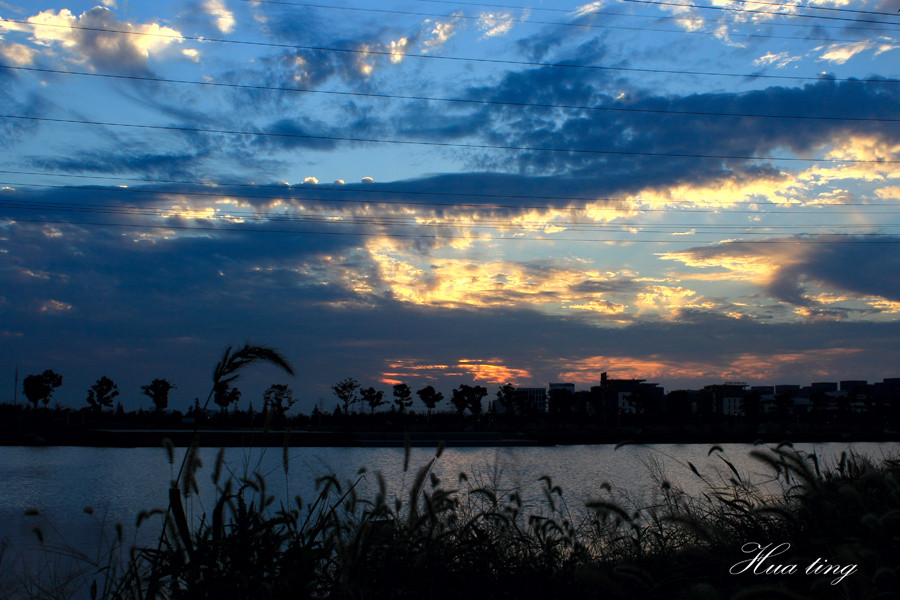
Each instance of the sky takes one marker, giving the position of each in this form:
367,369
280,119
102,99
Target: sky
437,193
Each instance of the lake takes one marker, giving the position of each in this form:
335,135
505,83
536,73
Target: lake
118,483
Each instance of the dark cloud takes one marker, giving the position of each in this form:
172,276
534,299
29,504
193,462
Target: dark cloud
137,308
859,265
301,132
867,266
164,166
624,142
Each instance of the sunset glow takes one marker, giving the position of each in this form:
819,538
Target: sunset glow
439,194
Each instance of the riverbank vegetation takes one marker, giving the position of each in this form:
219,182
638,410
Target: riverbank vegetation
614,410
811,531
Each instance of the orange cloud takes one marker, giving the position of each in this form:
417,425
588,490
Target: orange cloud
752,367
491,371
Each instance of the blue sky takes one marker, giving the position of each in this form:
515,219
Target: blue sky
439,193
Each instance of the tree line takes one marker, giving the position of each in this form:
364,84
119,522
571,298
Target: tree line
349,392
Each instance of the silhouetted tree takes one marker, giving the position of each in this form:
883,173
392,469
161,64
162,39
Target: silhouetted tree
102,393
158,392
468,396
228,369
402,397
224,395
279,399
429,397
345,390
506,396
39,388
374,398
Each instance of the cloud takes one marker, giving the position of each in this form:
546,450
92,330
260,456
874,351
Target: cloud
495,24
398,49
167,302
53,306
83,40
175,165
439,33
587,9
780,60
790,269
223,18
841,53
755,368
300,132
18,54
685,17
621,141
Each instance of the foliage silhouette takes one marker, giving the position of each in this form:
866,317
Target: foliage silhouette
278,399
430,398
158,392
101,394
402,397
345,390
39,388
374,398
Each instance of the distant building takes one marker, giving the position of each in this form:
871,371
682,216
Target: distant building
764,391
787,389
533,399
728,398
854,386
615,397
823,386
569,387
527,400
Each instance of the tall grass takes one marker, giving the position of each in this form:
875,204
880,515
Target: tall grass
468,535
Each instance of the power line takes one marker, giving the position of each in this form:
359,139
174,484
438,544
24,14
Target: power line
854,238
566,10
580,25
809,7
449,100
765,12
415,221
372,52
305,198
447,144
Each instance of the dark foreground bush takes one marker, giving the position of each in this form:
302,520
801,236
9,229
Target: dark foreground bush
736,540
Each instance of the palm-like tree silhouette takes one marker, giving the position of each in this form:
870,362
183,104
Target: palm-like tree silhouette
226,372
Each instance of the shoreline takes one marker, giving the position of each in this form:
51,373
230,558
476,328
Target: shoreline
145,438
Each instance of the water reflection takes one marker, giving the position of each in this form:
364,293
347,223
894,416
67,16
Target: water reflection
119,483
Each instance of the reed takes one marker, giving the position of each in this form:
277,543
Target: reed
469,535
443,539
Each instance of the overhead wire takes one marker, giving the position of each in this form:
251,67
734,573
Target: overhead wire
578,24
624,109
336,138
419,220
388,53
566,10
299,194
824,238
253,219
763,12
